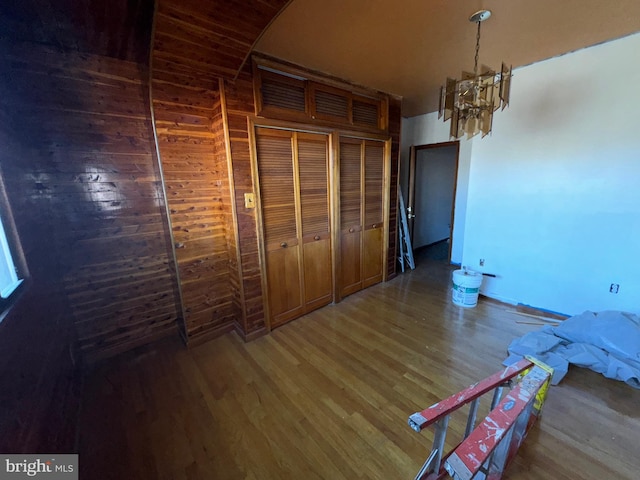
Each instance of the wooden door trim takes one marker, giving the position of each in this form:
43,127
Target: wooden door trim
386,207
297,201
317,129
334,194
412,190
262,254
363,186
234,208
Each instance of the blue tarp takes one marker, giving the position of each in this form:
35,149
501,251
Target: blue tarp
607,342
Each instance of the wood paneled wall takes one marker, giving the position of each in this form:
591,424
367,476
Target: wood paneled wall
196,42
189,122
80,112
39,380
239,103
91,171
82,173
197,186
201,125
80,170
117,28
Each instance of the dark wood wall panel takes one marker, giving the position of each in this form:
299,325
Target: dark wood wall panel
117,28
79,165
40,381
240,105
92,171
197,42
395,119
197,186
218,127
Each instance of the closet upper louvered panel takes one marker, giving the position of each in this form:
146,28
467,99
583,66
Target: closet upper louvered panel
290,94
366,112
312,165
332,104
282,92
374,180
275,167
350,184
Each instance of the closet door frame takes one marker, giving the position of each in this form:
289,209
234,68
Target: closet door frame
334,136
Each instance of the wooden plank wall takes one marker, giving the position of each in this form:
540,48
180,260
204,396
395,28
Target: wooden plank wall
40,381
194,45
220,127
83,183
92,171
240,105
117,28
189,125
197,188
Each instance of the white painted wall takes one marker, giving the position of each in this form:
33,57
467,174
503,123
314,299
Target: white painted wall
551,200
554,193
424,130
435,175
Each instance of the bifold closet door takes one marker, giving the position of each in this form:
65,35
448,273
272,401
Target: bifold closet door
293,179
372,238
313,163
361,213
350,216
279,219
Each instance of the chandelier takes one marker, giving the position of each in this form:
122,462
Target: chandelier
471,101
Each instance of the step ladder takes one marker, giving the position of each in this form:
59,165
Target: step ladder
406,250
485,450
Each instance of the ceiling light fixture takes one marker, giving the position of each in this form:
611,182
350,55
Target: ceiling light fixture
471,101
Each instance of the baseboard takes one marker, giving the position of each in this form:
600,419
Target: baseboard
248,337
204,337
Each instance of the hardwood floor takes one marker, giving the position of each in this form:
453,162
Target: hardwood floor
327,396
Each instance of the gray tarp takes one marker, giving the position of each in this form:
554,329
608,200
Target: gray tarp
606,342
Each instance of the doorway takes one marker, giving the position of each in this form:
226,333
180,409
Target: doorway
433,173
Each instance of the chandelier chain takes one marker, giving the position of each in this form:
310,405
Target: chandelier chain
475,65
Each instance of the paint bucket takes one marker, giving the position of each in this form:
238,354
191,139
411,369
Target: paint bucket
466,286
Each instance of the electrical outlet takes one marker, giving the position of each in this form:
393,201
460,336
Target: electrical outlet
482,262
614,288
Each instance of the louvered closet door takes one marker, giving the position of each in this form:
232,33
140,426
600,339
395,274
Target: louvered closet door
361,214
350,216
312,153
372,241
279,218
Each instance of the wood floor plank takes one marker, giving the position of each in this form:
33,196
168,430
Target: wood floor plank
328,396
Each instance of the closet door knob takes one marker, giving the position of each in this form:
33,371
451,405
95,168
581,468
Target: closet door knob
373,226
351,230
284,245
317,237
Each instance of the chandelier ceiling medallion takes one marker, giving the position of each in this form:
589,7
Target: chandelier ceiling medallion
471,101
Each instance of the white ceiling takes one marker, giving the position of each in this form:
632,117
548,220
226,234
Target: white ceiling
409,47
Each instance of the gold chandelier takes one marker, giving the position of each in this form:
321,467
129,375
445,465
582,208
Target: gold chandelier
471,101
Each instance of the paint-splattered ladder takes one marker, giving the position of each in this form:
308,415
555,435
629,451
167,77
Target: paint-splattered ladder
486,449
